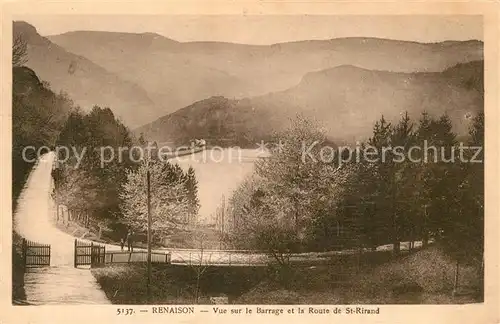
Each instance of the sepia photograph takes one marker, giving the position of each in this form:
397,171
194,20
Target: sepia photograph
248,159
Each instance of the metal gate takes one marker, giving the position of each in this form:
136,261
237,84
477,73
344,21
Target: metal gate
89,254
35,254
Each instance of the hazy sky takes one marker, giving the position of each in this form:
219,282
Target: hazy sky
268,29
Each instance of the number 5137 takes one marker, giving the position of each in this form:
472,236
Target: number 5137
124,311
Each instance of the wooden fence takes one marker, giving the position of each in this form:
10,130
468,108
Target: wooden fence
95,255
136,256
89,254
35,254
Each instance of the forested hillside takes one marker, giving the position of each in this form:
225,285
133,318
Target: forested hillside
38,115
344,99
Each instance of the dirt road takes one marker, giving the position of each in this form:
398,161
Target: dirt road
60,283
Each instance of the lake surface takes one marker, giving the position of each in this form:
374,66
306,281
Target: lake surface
219,172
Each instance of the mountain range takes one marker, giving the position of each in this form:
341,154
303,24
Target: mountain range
177,91
345,100
86,82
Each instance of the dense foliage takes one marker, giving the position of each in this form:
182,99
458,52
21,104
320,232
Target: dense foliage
291,204
91,177
38,114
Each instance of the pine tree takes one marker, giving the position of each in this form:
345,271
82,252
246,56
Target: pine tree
384,185
447,174
403,139
463,227
191,185
424,177
437,175
464,230
477,130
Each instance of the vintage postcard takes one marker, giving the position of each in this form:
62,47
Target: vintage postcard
240,161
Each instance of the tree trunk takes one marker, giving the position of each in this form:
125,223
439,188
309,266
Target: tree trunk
396,247
197,294
396,242
455,282
425,238
425,231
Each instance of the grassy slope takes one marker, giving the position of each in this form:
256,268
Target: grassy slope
79,231
126,284
425,277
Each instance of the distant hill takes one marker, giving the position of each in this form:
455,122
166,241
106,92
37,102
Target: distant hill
176,74
218,120
85,82
172,77
347,100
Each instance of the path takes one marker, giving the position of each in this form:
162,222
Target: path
60,283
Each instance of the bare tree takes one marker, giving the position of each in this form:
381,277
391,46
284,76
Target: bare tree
200,266
19,51
200,261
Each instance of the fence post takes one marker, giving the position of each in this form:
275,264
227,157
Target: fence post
91,254
24,248
75,255
104,256
98,259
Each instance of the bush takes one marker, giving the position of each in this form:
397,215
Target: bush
18,292
416,278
